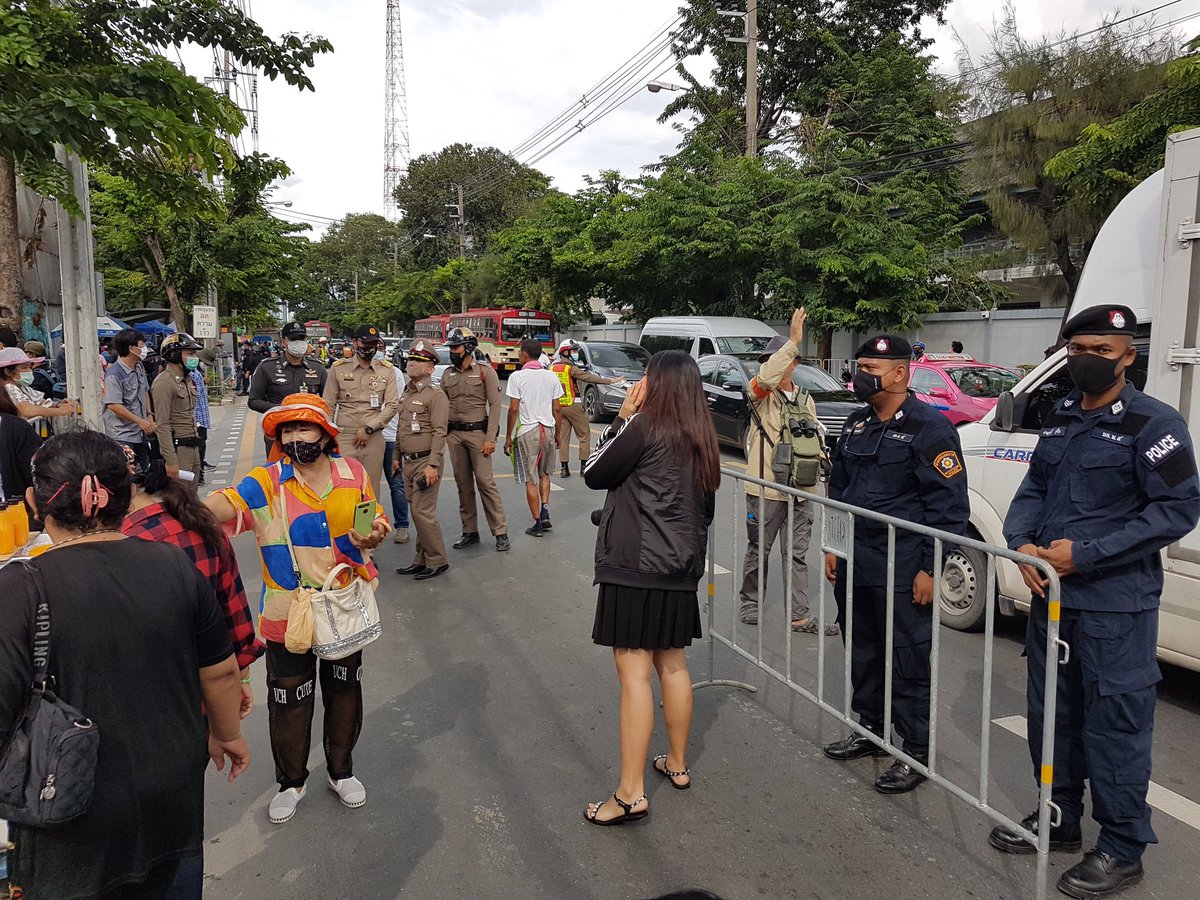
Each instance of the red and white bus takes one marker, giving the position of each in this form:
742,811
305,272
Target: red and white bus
433,328
315,330
500,332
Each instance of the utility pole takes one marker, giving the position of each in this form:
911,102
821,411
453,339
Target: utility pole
750,18
459,215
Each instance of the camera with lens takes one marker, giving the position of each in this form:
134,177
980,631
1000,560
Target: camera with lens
595,516
802,429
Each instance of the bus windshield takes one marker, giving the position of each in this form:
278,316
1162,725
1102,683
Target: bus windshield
513,331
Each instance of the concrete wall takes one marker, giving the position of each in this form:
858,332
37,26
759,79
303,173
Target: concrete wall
1007,337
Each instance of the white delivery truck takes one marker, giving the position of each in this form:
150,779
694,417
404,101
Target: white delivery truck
1147,257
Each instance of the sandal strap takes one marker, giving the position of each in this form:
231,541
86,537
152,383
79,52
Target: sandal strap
667,771
628,807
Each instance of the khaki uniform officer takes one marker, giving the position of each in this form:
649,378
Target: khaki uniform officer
420,451
473,391
362,392
173,396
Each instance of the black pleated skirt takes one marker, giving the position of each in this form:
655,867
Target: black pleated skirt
641,619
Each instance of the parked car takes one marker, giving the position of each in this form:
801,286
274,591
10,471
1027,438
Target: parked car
963,389
726,379
611,359
443,363
705,335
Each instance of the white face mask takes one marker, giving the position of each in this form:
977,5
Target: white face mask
142,351
297,348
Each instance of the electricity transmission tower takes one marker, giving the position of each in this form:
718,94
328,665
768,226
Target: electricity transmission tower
395,113
239,86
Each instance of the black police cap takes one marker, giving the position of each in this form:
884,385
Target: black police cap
1101,320
366,333
293,330
884,346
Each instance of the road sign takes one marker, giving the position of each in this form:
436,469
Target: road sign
204,321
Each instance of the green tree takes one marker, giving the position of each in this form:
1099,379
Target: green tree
498,190
1112,157
1033,100
91,75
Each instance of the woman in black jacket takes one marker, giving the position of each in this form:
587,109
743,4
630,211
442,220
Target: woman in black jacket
18,443
660,465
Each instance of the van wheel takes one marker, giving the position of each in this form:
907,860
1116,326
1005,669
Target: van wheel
964,589
591,405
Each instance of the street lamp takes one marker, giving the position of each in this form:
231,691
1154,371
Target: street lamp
286,203
655,86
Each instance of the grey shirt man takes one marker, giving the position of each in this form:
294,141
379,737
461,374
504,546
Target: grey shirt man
129,388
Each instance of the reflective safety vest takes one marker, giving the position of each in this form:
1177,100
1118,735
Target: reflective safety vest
563,371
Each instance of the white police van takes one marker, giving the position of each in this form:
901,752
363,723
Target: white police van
1146,257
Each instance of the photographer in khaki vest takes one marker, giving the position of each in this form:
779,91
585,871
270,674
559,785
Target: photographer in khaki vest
773,398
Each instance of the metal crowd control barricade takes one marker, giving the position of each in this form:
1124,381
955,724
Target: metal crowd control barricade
836,534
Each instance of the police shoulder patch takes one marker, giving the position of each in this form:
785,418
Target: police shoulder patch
948,464
1161,450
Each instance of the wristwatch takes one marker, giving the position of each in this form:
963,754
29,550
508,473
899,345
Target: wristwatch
369,430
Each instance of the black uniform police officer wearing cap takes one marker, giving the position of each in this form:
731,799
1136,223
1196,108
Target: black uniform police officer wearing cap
293,372
1111,483
902,458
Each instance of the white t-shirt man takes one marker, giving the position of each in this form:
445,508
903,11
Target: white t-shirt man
537,389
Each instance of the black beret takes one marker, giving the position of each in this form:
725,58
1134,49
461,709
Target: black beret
1101,320
884,346
293,329
366,333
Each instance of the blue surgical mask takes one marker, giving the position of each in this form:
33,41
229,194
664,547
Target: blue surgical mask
192,363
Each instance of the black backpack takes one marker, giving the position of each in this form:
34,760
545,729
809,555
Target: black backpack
48,765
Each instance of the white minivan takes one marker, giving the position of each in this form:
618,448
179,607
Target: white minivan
706,335
1145,257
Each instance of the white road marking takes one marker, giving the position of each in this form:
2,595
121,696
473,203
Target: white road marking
718,570
1174,805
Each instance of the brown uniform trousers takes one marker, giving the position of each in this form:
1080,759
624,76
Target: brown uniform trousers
475,400
427,407
362,394
173,397
573,418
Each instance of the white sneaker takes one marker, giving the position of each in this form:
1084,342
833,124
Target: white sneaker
350,791
283,805
401,536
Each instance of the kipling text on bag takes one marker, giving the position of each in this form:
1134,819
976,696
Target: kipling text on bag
48,765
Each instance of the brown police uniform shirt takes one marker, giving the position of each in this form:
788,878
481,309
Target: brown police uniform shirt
474,395
424,414
361,395
174,399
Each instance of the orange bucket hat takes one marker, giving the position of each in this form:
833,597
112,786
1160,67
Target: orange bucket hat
298,408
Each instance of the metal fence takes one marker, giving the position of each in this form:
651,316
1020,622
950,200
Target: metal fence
834,527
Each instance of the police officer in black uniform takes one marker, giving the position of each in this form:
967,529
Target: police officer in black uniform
902,458
1111,483
292,372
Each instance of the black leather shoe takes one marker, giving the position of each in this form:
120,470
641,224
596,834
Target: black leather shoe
566,471
535,530
432,573
1066,838
502,543
581,465
900,778
1099,875
468,538
854,747
414,569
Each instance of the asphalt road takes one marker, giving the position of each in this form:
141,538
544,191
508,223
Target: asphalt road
491,721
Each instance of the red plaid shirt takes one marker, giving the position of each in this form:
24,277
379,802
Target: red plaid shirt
154,523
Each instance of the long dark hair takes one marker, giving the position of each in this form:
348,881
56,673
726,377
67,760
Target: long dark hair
59,469
183,505
678,413
6,403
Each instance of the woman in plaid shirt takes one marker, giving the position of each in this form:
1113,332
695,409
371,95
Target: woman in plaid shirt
165,510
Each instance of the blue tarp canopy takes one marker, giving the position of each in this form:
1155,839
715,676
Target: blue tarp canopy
106,326
154,327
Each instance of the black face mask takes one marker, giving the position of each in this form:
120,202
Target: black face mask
1093,374
865,386
365,352
460,361
305,452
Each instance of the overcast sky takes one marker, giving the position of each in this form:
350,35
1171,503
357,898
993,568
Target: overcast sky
493,72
